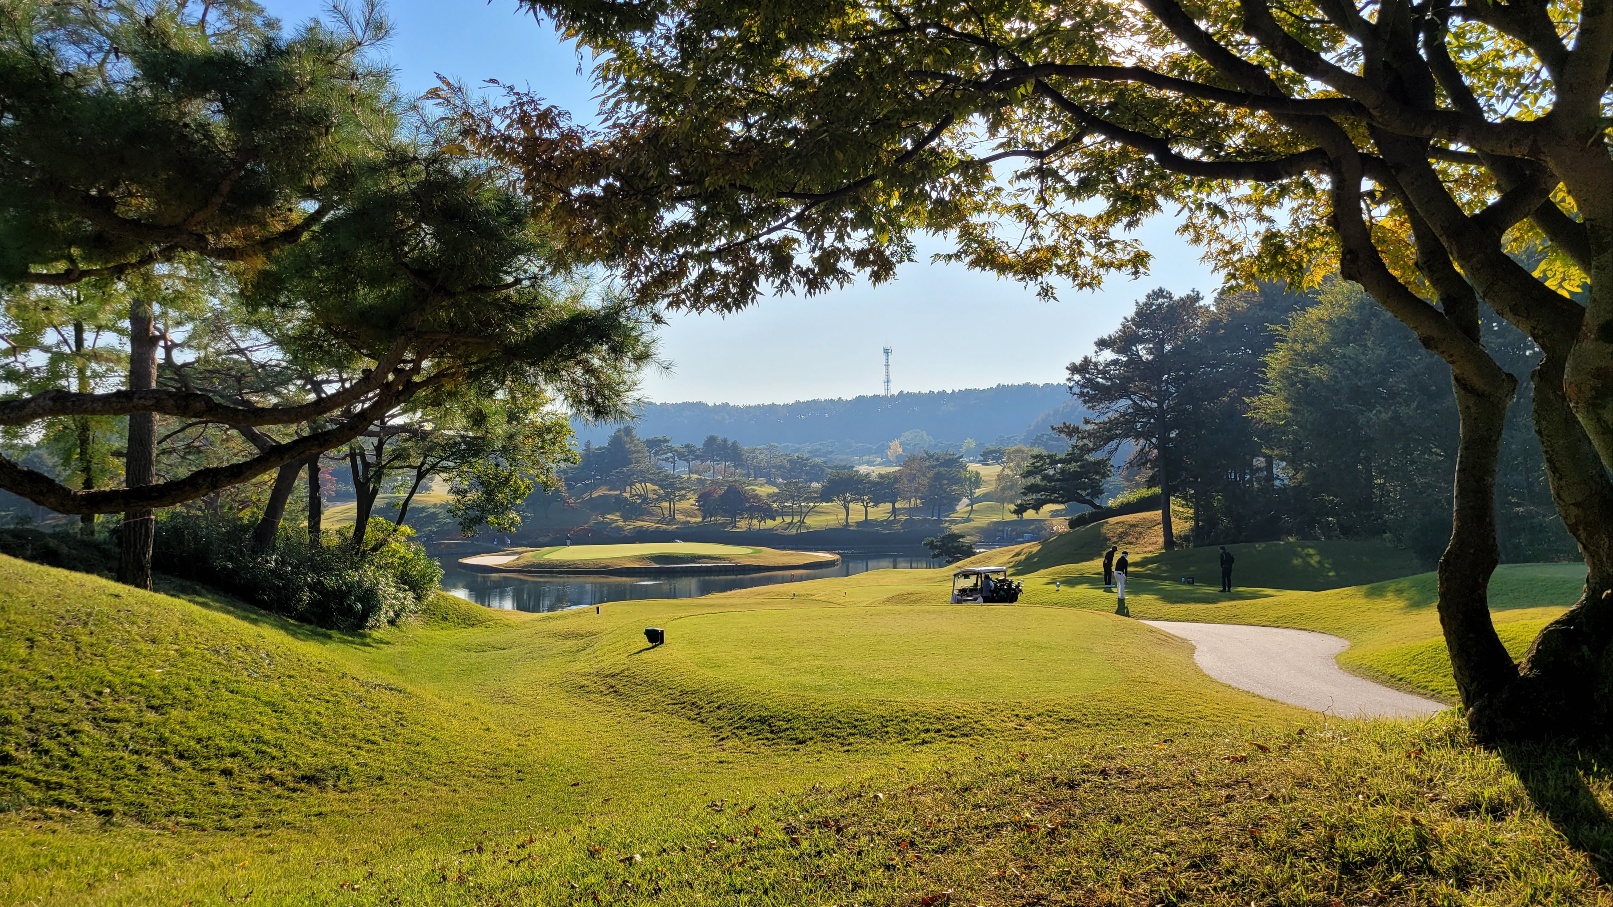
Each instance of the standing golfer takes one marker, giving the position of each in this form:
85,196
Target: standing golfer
1120,576
1109,567
1226,569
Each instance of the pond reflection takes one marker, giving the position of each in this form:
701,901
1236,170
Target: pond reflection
515,592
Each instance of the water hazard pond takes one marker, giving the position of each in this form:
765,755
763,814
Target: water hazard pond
511,592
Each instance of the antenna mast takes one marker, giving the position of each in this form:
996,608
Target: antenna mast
887,371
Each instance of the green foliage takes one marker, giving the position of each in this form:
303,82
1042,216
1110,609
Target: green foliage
1366,431
67,550
327,585
1136,386
736,502
1076,476
1141,496
949,547
936,480
136,132
846,487
1137,500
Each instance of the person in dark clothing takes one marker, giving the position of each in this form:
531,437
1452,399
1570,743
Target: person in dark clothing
1226,569
1109,567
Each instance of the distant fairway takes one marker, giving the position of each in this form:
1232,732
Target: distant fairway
669,555
643,549
932,653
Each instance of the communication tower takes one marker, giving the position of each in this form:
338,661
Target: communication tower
887,371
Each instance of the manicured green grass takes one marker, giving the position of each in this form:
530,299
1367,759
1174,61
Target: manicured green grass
927,654
675,549
658,554
833,742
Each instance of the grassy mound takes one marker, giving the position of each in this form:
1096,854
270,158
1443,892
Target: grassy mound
896,672
1267,565
582,558
127,704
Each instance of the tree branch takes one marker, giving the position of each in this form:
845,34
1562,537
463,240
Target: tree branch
1271,170
199,406
47,492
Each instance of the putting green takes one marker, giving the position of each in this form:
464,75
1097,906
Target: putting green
922,653
671,556
645,549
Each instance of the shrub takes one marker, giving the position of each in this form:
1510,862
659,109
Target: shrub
1137,500
67,550
326,584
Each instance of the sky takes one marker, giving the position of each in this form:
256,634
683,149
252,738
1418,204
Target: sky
948,327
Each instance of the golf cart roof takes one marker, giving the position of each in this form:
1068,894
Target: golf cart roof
981,571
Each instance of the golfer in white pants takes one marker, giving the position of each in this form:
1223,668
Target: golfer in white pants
1120,576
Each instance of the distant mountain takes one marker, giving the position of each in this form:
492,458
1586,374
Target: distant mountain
1005,413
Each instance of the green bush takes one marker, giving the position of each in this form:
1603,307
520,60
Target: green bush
1138,500
327,584
67,550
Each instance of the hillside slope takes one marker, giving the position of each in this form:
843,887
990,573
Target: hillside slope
787,745
1308,565
133,705
948,416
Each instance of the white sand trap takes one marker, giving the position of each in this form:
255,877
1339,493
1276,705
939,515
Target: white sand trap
489,560
1292,666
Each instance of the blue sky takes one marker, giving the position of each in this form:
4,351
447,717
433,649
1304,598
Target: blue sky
950,327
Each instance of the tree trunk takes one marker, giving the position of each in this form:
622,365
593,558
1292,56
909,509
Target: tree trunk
138,534
1481,664
1566,679
86,439
414,488
316,503
1165,505
268,528
365,490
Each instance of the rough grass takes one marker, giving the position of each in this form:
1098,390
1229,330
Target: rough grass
844,741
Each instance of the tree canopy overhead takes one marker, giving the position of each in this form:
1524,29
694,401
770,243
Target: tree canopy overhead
356,253
1418,147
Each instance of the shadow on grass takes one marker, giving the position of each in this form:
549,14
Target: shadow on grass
1558,779
1175,593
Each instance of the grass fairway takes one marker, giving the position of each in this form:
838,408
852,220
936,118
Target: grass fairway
581,558
915,653
846,741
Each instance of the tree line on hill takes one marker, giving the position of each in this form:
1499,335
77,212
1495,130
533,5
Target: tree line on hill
726,480
864,426
1275,414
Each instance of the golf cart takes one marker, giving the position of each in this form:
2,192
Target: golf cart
984,585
